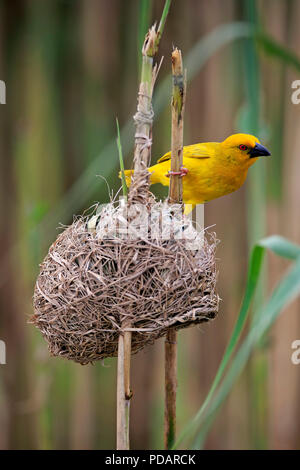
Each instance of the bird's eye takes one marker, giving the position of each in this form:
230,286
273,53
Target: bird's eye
243,147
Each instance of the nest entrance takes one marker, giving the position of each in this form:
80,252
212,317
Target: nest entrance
92,282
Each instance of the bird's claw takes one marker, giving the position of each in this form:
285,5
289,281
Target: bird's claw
182,172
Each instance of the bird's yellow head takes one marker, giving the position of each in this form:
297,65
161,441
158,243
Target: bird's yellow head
244,149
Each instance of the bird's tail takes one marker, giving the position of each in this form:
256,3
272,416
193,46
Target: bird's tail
128,175
188,208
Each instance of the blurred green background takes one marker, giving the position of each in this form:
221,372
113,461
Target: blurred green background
70,68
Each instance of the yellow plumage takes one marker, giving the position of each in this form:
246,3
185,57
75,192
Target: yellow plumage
214,169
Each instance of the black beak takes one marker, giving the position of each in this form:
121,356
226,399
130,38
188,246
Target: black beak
259,151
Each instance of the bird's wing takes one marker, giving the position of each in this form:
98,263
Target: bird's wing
193,151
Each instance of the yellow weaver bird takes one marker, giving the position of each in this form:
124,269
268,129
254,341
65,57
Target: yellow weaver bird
211,169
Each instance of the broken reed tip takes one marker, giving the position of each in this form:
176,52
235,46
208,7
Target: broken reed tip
177,62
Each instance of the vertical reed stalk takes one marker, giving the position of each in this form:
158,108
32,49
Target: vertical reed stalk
256,209
122,402
175,196
142,156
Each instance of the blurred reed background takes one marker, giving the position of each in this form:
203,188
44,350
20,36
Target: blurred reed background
70,68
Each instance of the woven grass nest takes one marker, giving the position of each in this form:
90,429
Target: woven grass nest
95,283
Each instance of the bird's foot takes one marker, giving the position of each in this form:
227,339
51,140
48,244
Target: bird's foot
182,172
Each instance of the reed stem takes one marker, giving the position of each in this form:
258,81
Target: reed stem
141,159
175,196
122,406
